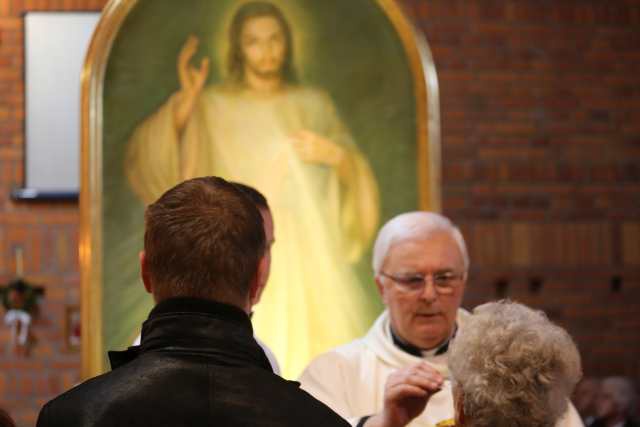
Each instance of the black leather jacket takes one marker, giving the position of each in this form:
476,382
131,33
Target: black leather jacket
198,365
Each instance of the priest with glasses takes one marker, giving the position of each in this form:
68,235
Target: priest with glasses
397,374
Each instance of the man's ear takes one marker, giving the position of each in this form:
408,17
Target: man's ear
258,283
144,273
381,289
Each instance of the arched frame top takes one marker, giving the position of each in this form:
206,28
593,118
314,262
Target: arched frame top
91,208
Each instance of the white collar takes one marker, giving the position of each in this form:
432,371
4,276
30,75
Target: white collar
379,340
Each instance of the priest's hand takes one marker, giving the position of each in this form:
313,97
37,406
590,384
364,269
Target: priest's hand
406,394
192,81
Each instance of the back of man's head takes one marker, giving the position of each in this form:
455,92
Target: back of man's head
254,195
203,239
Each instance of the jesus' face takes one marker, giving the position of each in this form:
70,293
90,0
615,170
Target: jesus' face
264,47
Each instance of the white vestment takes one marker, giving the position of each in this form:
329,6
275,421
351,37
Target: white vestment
350,379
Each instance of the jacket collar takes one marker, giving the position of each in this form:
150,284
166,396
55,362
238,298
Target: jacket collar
417,351
197,326
211,308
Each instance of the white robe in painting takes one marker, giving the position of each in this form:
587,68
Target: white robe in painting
322,221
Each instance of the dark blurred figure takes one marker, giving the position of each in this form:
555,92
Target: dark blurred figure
584,399
5,419
615,403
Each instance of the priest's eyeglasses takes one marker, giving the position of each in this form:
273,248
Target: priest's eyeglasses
444,283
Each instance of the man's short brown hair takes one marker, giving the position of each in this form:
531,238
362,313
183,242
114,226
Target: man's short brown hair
256,196
204,239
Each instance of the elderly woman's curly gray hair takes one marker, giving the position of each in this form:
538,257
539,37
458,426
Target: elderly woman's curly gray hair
513,367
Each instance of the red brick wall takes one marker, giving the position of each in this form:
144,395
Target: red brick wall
47,233
540,103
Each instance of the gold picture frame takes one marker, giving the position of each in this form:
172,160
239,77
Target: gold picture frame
427,136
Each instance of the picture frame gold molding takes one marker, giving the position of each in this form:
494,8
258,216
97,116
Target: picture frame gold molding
92,83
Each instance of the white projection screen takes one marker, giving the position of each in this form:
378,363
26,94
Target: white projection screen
55,47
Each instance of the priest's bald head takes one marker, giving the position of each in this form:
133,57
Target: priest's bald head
420,262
